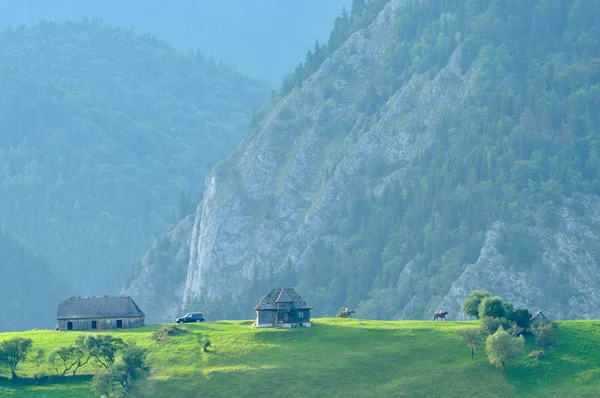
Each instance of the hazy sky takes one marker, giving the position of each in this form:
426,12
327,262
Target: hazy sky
265,38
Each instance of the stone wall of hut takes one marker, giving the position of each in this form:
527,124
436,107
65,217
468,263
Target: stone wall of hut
100,323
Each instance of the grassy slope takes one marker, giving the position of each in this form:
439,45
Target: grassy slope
351,358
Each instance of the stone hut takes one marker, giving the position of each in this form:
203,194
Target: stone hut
282,308
104,312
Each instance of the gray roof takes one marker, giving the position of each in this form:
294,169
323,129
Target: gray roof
98,307
539,315
285,295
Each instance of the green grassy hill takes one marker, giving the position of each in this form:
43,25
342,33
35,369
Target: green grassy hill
336,358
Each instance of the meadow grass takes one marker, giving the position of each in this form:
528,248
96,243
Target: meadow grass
336,358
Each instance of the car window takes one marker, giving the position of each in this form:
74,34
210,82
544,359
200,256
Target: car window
186,316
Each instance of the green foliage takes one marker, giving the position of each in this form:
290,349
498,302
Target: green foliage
13,352
545,334
104,384
492,307
502,348
205,343
162,335
75,356
133,361
472,303
114,381
489,325
40,360
519,247
522,318
515,330
101,348
361,16
471,337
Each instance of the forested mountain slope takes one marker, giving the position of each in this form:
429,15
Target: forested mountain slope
29,289
442,147
104,134
265,38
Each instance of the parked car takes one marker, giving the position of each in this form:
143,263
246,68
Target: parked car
191,317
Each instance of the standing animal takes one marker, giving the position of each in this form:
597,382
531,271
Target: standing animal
441,316
346,313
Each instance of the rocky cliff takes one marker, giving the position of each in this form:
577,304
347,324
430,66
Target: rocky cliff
412,167
285,171
561,280
157,281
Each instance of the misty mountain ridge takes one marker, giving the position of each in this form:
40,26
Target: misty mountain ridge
234,31
104,133
29,288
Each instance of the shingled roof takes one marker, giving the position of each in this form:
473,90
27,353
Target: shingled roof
98,307
285,295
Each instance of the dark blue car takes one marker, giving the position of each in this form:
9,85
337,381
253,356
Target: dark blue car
191,317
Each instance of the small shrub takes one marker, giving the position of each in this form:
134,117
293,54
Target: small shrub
205,344
104,384
472,338
39,359
167,331
515,330
537,354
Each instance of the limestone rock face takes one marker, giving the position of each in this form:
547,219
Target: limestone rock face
158,282
562,280
268,205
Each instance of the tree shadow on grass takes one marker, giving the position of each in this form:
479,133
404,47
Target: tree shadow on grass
46,380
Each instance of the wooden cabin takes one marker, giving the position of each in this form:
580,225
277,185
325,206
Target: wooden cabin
282,308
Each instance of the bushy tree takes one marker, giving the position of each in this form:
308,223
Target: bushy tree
104,384
502,348
13,352
133,360
545,334
113,381
489,325
39,359
63,359
515,330
471,304
522,318
103,348
492,307
472,338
